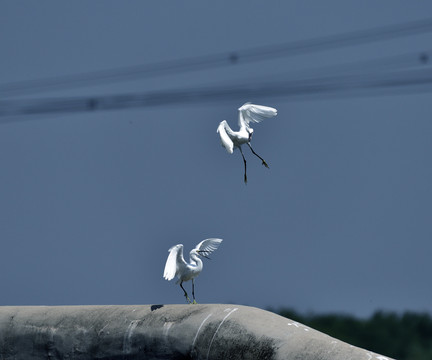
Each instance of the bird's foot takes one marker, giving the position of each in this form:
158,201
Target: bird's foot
188,300
265,164
194,302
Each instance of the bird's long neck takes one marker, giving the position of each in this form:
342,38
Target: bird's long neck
246,130
196,261
243,124
242,121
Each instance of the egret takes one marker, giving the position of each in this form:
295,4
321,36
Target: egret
177,266
248,113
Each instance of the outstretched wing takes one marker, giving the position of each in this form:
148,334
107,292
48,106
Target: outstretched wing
174,261
207,246
254,113
226,141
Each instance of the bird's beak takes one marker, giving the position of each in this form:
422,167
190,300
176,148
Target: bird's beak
203,255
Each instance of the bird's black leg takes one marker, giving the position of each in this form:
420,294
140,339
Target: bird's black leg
185,293
193,292
263,161
244,161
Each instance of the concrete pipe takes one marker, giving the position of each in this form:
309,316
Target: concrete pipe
212,331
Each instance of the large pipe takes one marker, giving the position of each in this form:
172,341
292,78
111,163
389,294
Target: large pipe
163,332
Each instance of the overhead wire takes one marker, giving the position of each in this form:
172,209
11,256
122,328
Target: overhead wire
369,84
217,60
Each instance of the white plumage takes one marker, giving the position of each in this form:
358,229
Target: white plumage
177,266
248,113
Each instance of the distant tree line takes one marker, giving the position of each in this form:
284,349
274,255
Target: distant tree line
406,336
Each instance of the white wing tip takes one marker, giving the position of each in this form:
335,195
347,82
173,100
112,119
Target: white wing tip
226,142
243,106
218,240
249,104
175,246
171,263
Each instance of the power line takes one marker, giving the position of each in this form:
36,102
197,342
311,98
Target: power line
405,61
327,86
219,59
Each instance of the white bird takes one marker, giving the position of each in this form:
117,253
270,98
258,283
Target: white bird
248,113
177,266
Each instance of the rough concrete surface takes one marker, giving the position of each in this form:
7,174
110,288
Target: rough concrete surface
163,332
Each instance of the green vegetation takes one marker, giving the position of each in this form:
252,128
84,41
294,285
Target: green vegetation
405,336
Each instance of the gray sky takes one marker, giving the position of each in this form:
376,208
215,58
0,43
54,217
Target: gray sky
90,202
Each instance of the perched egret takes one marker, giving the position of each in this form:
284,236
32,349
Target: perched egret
235,139
177,266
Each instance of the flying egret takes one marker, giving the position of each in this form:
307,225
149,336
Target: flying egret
235,139
177,266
